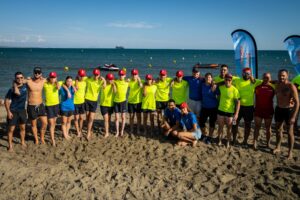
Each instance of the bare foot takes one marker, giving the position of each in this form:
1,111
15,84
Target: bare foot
276,150
182,144
220,142
106,135
228,145
117,135
10,149
255,145
290,156
24,145
194,143
42,141
36,142
79,135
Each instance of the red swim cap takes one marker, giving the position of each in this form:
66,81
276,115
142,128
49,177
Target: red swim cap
52,75
148,77
183,105
179,73
122,72
134,72
163,72
110,77
81,73
247,69
96,72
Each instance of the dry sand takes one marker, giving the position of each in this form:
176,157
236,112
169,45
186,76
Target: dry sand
139,167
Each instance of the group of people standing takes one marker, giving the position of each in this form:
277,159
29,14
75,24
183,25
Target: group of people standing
181,105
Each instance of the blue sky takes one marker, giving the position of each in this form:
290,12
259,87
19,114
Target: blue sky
202,24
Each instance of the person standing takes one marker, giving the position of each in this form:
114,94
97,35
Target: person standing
120,87
179,89
228,109
264,110
79,101
93,87
148,103
36,108
135,100
67,106
15,101
51,91
107,102
286,110
223,72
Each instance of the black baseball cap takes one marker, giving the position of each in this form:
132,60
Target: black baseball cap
195,70
37,70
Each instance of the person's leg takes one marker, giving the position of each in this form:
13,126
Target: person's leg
52,124
165,127
187,137
220,128
139,119
279,130
106,125
43,128
22,134
69,120
159,117
247,132
145,119
76,123
268,124
123,116
81,119
90,120
202,120
152,115
291,140
10,133
257,121
131,121
64,127
117,115
34,130
228,121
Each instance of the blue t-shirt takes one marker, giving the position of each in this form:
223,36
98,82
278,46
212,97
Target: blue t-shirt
172,116
17,101
194,87
208,97
66,104
189,120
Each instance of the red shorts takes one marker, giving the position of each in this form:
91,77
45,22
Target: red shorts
264,113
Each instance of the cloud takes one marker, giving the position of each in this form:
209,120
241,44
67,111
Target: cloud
133,25
24,39
40,39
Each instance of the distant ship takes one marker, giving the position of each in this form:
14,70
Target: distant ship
119,47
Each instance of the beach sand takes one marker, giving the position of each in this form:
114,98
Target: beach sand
139,167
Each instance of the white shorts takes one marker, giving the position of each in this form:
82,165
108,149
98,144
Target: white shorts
195,106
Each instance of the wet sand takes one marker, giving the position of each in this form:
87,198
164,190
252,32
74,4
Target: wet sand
140,167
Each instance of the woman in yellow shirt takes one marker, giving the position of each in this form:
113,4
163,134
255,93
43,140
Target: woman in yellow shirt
148,102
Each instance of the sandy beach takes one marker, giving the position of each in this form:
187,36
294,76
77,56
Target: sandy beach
140,167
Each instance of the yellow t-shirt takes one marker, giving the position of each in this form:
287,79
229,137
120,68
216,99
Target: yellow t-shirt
148,102
218,79
227,98
51,93
122,87
163,89
246,90
107,96
93,88
135,92
180,91
80,93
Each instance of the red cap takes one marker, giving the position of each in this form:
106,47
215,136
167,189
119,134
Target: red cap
52,75
247,69
179,73
183,105
96,72
163,72
110,77
81,73
122,72
148,77
134,72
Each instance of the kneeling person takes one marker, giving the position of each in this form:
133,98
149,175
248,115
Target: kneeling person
171,119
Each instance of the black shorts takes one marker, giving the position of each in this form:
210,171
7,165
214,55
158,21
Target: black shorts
36,111
148,111
67,113
52,111
120,107
246,112
79,109
19,117
161,105
90,106
225,114
283,115
105,109
135,108
210,113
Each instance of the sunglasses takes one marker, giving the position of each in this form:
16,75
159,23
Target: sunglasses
37,72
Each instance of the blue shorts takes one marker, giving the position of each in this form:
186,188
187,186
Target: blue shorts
197,134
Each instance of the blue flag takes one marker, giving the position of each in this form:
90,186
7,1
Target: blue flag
292,44
245,51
